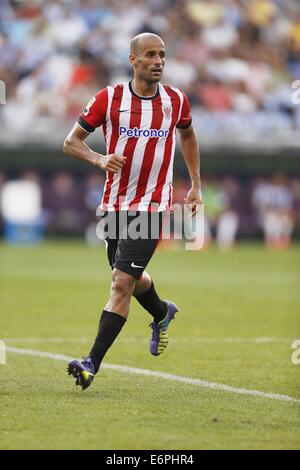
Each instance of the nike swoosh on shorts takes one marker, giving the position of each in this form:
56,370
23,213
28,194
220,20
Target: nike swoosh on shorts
135,265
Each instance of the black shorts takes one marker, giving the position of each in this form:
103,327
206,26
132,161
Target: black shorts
131,239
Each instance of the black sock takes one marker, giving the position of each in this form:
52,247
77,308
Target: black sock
153,304
110,325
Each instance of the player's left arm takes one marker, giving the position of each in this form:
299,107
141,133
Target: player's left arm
191,155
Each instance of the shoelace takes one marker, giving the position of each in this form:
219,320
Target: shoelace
87,361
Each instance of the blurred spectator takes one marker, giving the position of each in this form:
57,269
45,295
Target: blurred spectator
227,227
205,12
221,216
93,190
261,12
215,96
228,219
213,199
274,203
63,201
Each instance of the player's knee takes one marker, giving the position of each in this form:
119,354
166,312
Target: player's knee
122,284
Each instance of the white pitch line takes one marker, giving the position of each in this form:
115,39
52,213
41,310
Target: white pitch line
45,340
128,339
162,375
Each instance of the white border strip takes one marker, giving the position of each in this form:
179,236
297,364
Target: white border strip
162,375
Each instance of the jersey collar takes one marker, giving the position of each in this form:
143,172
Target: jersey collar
143,97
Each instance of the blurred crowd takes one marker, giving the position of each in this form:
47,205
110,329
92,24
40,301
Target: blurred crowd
235,59
258,207
267,208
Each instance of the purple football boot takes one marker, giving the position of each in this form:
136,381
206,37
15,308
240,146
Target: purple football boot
82,371
159,339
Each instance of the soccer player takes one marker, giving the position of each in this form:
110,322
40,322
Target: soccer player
139,120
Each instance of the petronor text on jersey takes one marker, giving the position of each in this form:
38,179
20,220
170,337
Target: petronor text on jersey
135,132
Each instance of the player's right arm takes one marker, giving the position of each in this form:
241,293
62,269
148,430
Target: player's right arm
75,146
92,117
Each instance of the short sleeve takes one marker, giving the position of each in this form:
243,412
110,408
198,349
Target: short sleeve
185,119
95,112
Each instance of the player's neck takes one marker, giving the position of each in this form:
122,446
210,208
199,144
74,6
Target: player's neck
142,88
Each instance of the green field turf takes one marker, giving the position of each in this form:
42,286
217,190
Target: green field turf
239,315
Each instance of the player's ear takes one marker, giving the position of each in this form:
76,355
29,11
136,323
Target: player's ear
132,59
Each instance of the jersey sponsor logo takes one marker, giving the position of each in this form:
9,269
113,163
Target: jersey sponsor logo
136,132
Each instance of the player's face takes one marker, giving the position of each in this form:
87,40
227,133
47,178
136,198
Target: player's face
149,63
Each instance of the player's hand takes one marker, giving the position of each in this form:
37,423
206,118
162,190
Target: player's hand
111,163
193,200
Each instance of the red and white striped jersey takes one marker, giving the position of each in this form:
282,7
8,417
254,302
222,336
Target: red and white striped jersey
142,129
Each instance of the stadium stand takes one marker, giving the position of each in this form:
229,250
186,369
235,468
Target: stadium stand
239,60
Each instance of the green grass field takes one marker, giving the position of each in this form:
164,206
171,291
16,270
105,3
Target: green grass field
239,316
